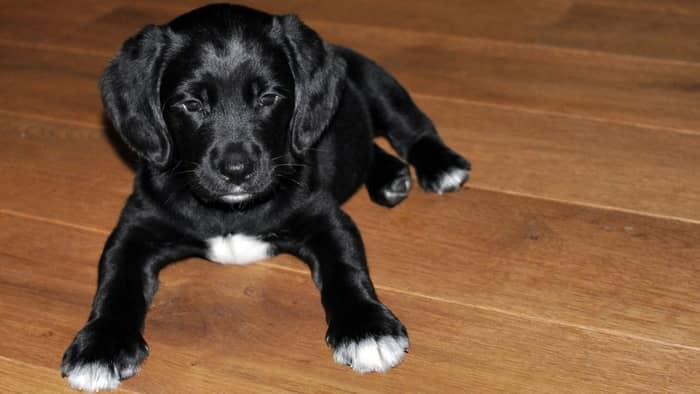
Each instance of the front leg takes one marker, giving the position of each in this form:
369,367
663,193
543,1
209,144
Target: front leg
111,347
362,331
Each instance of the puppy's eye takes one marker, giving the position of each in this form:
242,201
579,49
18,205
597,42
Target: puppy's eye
192,106
267,100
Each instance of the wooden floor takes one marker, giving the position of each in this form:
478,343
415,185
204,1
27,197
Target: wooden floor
570,263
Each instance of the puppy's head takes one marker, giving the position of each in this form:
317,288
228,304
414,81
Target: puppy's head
224,97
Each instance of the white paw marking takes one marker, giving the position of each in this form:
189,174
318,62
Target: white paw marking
237,249
95,376
452,179
372,355
129,371
389,195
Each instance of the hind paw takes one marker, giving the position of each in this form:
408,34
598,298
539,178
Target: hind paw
439,168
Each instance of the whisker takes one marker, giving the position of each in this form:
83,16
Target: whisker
290,165
296,181
170,171
314,149
185,172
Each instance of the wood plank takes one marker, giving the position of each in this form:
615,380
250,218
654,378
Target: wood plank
588,162
590,267
632,30
51,84
38,146
690,7
215,328
67,164
477,235
622,89
38,20
665,31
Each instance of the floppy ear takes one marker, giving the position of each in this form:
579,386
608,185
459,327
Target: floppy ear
319,75
130,94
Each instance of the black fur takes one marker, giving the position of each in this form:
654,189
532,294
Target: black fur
245,122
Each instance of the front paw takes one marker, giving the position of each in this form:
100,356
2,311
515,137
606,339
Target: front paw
439,169
102,354
368,338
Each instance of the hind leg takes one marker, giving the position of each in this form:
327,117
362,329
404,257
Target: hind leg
439,169
389,179
410,132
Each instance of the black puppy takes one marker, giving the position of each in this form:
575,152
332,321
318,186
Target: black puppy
251,131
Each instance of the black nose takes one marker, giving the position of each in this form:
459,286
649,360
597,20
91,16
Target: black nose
236,168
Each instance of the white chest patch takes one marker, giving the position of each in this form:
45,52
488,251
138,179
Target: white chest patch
237,249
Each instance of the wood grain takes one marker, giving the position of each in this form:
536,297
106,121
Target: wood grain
663,30
209,323
37,21
686,7
667,31
51,84
618,88
623,89
625,167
